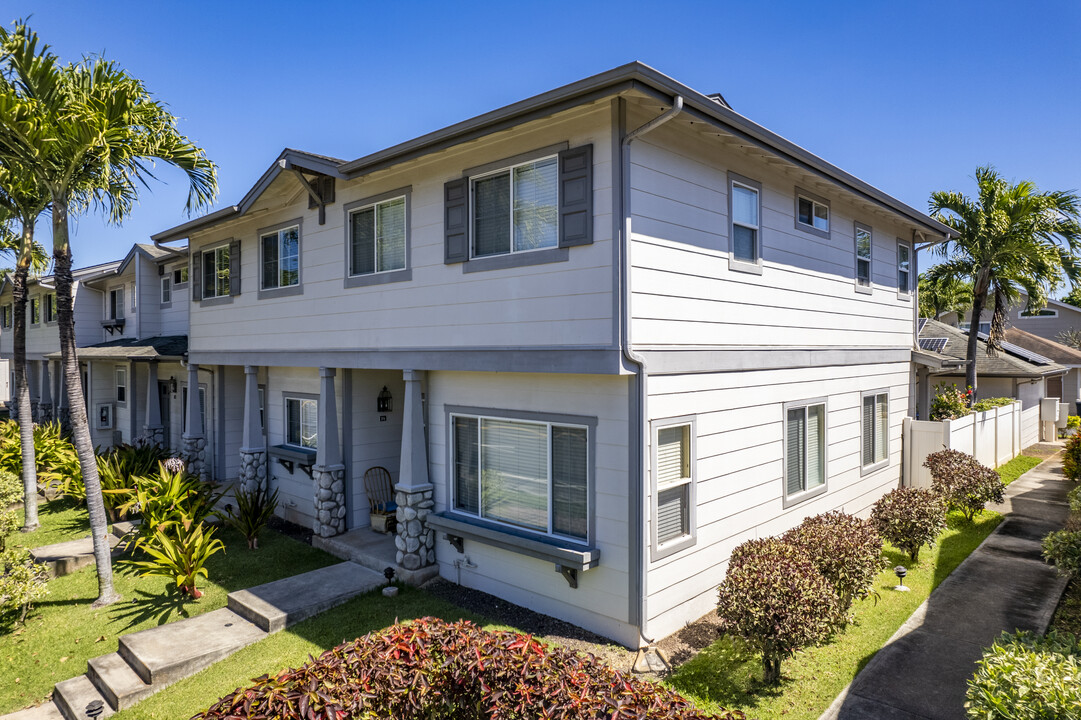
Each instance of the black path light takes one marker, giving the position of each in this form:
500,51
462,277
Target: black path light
900,572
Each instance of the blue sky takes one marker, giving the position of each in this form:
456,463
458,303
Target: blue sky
909,96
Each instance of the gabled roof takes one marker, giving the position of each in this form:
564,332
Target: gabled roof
154,253
155,348
83,275
1057,352
1013,361
633,76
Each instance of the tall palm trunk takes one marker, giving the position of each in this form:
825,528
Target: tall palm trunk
979,299
80,429
22,387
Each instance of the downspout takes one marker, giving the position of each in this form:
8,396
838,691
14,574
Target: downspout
628,350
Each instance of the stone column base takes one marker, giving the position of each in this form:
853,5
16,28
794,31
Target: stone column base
45,413
153,436
329,500
252,470
195,454
415,541
64,416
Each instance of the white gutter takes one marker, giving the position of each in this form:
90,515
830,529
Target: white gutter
628,350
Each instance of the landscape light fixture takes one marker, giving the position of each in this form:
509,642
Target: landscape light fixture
900,572
385,401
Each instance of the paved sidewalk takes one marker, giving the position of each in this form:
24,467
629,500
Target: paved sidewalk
922,673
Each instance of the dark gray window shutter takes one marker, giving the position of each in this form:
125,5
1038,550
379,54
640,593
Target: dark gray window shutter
195,276
456,221
576,196
234,267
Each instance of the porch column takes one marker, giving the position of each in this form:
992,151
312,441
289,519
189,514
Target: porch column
414,493
923,393
45,407
328,472
153,430
194,439
33,379
252,447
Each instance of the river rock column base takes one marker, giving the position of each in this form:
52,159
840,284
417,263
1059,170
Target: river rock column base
252,470
329,500
195,452
415,540
153,436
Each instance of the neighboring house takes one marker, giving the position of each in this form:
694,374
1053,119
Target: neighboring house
131,320
1015,372
1047,323
1068,388
594,359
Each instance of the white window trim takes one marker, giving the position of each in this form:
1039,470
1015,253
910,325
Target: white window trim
509,169
7,315
213,252
754,267
301,398
134,296
109,303
804,495
166,286
869,287
657,550
522,418
277,230
820,201
874,466
374,203
179,272
1049,314
120,382
904,293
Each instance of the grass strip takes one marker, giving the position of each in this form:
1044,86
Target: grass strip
61,519
1017,467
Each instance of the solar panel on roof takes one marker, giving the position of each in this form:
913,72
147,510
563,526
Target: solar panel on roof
919,326
933,344
1024,354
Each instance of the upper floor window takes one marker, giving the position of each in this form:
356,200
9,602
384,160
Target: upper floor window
116,304
377,235
180,275
863,257
216,272
745,224
812,213
302,422
50,307
35,310
5,316
133,295
525,474
166,289
280,250
875,423
904,269
121,385
804,449
516,209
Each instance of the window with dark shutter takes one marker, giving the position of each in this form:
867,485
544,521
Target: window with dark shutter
234,267
576,196
196,276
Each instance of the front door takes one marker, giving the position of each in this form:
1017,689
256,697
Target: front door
166,413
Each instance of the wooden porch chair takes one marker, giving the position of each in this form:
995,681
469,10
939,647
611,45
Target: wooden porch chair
380,491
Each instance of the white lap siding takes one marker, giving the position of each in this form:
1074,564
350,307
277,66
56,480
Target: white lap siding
601,602
377,436
296,495
739,467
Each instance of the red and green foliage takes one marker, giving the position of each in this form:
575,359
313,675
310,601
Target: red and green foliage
949,402
1071,458
774,597
846,550
434,670
909,518
963,482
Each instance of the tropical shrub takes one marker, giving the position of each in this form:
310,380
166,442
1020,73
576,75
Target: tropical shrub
963,482
949,403
1062,548
436,670
846,550
22,583
11,492
909,518
120,468
178,551
1027,677
992,403
57,461
1071,458
254,508
774,598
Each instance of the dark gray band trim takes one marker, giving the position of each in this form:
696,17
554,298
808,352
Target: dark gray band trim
212,301
265,293
516,160
585,361
811,229
381,278
669,362
513,260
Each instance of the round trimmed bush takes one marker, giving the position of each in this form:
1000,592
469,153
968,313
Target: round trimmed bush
774,598
434,670
909,518
846,550
963,482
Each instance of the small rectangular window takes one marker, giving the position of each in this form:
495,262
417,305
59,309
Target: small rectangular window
904,263
804,449
863,256
516,209
121,385
166,290
133,296
281,258
377,237
744,223
813,213
674,480
50,307
116,304
216,272
35,311
875,421
1043,312
180,275
6,320
302,422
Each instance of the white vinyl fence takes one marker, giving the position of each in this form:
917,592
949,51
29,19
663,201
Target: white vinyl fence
994,437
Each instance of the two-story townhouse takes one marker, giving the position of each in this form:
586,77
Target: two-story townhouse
598,337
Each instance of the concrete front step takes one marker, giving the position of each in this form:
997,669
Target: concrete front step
167,653
78,699
276,605
67,557
48,711
118,683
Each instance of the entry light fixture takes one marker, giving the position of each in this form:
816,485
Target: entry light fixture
385,401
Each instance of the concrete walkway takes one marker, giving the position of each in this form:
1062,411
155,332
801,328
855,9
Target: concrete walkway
150,660
922,673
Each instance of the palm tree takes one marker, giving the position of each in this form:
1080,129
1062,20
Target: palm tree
1011,238
22,200
89,132
940,294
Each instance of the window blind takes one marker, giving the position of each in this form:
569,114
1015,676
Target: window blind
466,478
868,439
882,424
816,446
569,481
794,449
535,205
491,212
363,242
391,235
673,449
514,480
672,516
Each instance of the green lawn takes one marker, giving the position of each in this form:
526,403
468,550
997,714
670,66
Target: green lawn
727,675
1017,467
61,519
291,648
63,632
